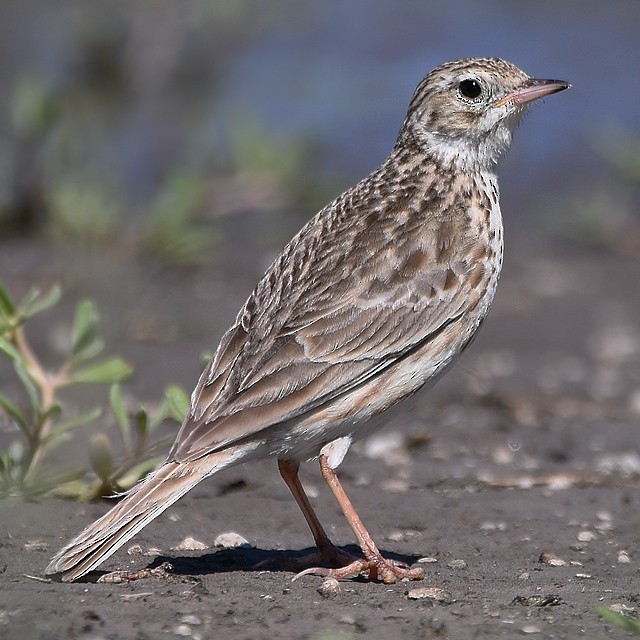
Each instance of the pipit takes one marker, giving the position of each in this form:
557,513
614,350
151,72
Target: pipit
371,301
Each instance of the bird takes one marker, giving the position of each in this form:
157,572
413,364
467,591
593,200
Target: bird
373,300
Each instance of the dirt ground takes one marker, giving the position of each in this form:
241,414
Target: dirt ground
514,482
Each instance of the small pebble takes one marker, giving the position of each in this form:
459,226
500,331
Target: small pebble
626,464
430,593
396,536
531,628
493,526
330,588
427,560
190,544
618,607
551,559
231,540
458,563
387,446
36,545
586,536
311,490
362,480
623,557
395,485
523,576
135,550
191,619
132,597
402,535
583,576
183,630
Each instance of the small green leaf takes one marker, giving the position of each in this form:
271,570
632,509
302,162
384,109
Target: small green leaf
120,412
108,371
205,360
175,405
81,420
51,413
15,413
32,105
91,350
7,308
28,384
66,477
142,423
101,455
47,484
162,445
77,421
159,416
620,620
52,442
36,303
178,402
8,348
85,325
73,490
137,472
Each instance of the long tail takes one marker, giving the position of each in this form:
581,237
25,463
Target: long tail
143,503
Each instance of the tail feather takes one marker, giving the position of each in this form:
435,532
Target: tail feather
143,503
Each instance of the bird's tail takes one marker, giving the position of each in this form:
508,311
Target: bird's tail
143,503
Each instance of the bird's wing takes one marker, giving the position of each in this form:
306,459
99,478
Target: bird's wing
341,303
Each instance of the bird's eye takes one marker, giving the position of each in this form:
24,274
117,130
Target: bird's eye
470,89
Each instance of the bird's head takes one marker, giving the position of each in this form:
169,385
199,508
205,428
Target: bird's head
465,111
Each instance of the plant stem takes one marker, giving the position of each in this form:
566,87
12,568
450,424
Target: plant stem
47,384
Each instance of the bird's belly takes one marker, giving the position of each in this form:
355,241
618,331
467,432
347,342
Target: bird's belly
363,410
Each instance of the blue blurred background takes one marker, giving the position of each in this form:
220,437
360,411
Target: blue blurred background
205,133
140,91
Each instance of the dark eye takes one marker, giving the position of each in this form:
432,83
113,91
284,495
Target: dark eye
470,89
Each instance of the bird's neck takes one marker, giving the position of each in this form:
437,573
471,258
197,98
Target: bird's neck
468,155
438,165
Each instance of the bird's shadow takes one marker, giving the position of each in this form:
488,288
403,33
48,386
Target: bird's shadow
247,559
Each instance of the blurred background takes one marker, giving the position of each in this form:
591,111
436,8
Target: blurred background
155,156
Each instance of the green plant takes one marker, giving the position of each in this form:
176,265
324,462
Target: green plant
42,425
141,455
173,232
88,214
619,619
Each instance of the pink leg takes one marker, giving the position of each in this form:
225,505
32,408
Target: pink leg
327,551
373,562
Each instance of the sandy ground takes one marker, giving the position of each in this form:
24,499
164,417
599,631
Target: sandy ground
530,447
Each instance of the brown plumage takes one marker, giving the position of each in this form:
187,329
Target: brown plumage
373,299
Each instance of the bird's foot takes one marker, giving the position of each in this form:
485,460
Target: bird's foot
375,565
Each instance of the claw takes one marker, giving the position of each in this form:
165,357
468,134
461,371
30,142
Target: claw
388,571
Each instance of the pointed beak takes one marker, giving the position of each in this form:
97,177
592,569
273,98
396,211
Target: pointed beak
531,90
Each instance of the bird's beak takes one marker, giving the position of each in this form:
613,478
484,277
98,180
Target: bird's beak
531,90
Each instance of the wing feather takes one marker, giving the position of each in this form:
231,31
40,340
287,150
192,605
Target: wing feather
329,315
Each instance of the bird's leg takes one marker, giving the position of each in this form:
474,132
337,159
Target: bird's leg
373,562
327,551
